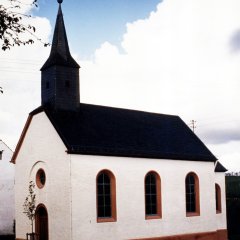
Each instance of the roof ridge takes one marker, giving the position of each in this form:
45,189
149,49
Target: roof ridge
129,109
43,108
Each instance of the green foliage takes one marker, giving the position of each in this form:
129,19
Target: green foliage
12,25
30,203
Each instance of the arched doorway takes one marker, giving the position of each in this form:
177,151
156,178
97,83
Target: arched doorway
41,222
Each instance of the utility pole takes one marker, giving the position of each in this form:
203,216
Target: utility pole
193,125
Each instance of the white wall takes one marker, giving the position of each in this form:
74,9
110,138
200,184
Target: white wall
221,217
131,223
42,148
7,212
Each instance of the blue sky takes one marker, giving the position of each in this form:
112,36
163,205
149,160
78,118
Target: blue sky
90,23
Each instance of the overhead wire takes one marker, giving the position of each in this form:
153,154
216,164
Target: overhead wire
13,68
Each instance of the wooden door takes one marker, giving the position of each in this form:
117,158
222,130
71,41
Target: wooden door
41,222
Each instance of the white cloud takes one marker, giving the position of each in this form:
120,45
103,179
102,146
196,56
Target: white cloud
228,154
183,60
20,79
180,61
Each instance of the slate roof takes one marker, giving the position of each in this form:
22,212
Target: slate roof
99,130
60,54
219,167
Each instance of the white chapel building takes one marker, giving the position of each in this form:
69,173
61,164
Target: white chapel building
106,173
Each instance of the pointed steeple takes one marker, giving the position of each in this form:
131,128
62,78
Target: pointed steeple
60,73
60,54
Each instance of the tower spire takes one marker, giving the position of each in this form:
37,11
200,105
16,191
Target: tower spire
60,53
60,73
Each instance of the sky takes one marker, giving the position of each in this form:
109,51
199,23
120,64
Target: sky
170,56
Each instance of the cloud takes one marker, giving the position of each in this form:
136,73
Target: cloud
228,154
222,136
20,79
177,57
235,42
179,61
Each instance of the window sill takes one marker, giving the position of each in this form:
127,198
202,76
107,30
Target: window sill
218,211
150,217
192,214
102,220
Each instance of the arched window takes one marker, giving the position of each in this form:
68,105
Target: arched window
218,198
152,196
106,197
192,195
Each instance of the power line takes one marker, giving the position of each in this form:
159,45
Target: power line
19,71
20,60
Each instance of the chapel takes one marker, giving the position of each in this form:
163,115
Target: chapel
110,173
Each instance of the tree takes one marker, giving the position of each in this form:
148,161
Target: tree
12,25
30,204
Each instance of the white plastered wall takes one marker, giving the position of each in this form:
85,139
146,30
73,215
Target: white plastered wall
7,210
129,174
221,217
42,148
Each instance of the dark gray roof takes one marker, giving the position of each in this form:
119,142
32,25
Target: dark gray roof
99,130
220,168
60,54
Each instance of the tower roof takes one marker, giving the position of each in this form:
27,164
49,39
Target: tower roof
60,53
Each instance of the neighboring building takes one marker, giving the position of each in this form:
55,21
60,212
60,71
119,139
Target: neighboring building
109,173
7,205
233,206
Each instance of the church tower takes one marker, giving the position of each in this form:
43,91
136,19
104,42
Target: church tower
60,73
